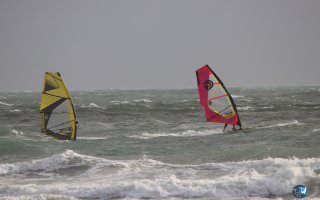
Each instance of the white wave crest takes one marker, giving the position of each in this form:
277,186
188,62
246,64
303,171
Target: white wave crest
39,197
90,105
142,100
92,138
188,133
132,102
93,105
316,130
6,104
291,123
15,110
237,96
268,107
120,102
185,100
57,161
150,179
241,183
245,108
17,132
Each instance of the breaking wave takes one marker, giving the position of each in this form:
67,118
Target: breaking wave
151,179
58,161
39,197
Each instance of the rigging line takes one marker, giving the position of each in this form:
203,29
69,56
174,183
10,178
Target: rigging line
61,113
55,95
54,77
61,124
56,113
53,130
224,109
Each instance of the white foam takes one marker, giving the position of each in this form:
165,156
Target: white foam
93,105
188,133
54,162
92,138
142,100
120,102
17,132
245,183
150,179
291,123
237,96
6,104
39,197
15,110
132,102
245,108
268,107
90,105
316,130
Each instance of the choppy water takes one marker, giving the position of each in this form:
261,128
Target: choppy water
156,144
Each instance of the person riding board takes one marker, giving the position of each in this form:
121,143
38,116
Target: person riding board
233,126
239,122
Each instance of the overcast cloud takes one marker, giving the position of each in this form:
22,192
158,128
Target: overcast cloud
137,44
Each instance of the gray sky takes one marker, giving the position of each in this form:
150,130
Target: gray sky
136,44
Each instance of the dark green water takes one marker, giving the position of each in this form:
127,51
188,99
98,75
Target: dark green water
156,144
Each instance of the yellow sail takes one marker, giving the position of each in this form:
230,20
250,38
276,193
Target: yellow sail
56,108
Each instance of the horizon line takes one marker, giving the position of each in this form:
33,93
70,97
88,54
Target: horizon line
178,88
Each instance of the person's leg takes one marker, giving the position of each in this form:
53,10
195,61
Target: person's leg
225,126
234,127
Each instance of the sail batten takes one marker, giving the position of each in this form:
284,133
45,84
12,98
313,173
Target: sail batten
58,114
215,99
218,97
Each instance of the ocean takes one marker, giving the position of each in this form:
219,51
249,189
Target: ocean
156,144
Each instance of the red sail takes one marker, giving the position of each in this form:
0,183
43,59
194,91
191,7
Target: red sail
216,101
